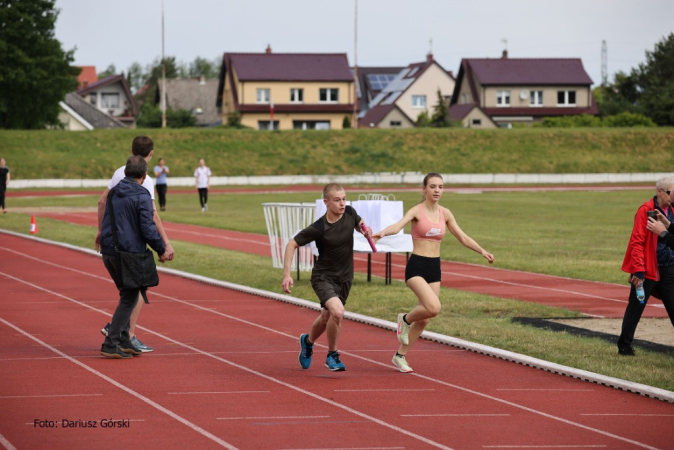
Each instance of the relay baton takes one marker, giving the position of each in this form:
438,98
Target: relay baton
369,239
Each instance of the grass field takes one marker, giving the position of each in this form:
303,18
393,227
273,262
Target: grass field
577,234
228,152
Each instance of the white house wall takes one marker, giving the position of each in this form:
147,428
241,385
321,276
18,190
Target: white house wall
427,84
115,88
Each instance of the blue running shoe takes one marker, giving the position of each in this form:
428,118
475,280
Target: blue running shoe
334,364
305,352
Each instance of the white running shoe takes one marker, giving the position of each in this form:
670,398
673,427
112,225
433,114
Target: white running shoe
403,330
401,363
206,206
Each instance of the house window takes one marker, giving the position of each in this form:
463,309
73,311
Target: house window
477,122
502,98
328,95
310,125
262,96
536,98
419,101
396,123
265,124
297,96
109,100
92,99
566,98
464,99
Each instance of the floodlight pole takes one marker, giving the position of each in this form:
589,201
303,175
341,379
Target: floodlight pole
354,120
163,71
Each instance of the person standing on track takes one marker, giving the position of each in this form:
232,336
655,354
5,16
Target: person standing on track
332,274
650,263
144,147
423,274
202,178
4,182
160,173
133,209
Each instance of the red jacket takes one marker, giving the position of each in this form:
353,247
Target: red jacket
641,255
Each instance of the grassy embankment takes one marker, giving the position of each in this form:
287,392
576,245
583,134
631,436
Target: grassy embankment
95,154
576,234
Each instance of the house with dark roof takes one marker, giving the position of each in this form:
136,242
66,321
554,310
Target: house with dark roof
112,95
286,90
414,90
523,90
197,95
371,81
77,114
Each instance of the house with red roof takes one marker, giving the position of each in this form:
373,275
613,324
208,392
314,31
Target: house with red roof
285,91
520,90
112,95
87,76
413,91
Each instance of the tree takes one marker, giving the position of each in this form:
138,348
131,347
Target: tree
647,89
36,72
135,76
202,66
111,70
440,117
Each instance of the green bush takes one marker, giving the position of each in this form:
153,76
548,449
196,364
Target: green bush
628,119
346,122
150,117
624,119
234,120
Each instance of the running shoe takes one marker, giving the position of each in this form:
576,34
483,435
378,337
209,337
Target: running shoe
333,363
128,347
104,330
139,345
401,363
206,206
403,330
305,352
115,352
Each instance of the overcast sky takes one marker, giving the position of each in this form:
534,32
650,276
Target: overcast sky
390,32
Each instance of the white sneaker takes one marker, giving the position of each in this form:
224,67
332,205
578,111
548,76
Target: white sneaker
203,209
206,206
401,363
403,330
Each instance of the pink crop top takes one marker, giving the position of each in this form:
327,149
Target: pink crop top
425,230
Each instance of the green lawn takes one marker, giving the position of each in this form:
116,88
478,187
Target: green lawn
466,315
228,152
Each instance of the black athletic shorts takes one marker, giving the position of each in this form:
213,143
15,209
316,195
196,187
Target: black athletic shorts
327,288
424,267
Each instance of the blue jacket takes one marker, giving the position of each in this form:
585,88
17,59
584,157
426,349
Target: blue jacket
133,220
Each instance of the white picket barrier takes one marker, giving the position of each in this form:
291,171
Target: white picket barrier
284,221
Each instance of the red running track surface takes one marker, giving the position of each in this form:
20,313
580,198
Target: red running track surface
588,297
224,373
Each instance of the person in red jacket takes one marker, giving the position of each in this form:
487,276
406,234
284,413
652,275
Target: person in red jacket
650,262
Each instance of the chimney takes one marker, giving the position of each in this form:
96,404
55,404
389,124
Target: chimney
268,50
429,57
505,54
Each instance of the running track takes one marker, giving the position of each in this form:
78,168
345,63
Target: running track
590,298
225,374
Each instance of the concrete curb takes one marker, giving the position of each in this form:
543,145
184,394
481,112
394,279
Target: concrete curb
414,178
616,383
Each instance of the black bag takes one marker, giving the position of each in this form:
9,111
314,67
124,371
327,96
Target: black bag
137,270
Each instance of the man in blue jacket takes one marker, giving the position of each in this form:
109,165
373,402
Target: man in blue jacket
135,229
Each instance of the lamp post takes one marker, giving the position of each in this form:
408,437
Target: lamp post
163,71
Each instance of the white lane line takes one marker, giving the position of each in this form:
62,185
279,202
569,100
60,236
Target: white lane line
121,386
454,415
345,448
233,364
128,420
221,392
544,446
216,236
383,390
5,443
51,396
461,388
632,415
549,389
272,417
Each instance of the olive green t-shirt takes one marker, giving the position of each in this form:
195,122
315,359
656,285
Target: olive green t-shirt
335,244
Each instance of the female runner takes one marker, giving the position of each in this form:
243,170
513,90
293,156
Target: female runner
422,273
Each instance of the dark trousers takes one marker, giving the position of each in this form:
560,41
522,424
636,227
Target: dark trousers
118,333
2,196
203,196
161,191
634,309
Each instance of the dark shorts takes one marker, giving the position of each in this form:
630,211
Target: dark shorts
327,288
424,267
